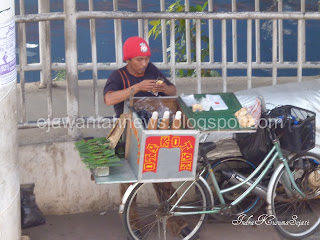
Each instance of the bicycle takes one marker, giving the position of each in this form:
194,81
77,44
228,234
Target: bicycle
292,194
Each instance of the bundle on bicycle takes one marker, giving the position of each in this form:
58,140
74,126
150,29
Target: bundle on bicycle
175,186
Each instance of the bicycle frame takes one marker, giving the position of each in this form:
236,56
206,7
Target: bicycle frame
274,154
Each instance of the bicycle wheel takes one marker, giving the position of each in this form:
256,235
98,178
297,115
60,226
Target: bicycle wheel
250,204
294,216
146,212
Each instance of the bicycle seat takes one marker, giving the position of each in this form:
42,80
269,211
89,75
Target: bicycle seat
206,147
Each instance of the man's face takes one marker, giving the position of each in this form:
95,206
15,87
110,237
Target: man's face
138,64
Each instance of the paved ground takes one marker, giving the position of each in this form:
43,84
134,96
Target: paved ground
93,226
107,226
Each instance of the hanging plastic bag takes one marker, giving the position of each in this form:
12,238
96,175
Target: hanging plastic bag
254,146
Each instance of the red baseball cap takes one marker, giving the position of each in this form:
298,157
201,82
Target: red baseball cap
134,47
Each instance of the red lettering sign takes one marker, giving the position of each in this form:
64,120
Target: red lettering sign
154,143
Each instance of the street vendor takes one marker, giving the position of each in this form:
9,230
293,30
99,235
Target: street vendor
140,74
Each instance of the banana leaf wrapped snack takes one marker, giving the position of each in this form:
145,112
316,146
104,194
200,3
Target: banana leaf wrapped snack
97,153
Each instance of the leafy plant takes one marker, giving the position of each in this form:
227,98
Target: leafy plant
59,75
96,153
180,41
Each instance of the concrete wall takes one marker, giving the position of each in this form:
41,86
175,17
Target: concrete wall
62,182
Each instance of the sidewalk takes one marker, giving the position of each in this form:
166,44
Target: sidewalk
95,226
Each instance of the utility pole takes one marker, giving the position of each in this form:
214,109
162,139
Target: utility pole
10,223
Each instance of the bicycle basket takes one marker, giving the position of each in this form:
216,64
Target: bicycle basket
297,129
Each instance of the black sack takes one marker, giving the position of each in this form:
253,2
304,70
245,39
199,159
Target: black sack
254,146
31,215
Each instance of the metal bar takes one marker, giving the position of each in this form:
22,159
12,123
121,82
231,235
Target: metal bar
22,61
117,35
55,122
303,10
140,27
271,154
211,38
181,15
43,7
255,183
198,57
188,39
224,54
48,66
300,50
38,66
164,33
274,52
93,39
280,29
180,65
172,51
169,15
240,65
116,31
234,34
70,28
146,30
249,53
40,17
45,55
257,28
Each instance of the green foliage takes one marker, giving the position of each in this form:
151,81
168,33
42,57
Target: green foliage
180,41
96,153
59,75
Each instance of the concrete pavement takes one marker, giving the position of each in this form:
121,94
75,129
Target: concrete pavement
107,226
93,226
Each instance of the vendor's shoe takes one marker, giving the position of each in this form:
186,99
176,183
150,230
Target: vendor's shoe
186,231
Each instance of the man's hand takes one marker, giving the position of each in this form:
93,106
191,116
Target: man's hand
121,95
168,90
161,87
146,85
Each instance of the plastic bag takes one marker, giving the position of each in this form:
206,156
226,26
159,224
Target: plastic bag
31,215
255,110
189,100
145,106
254,146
